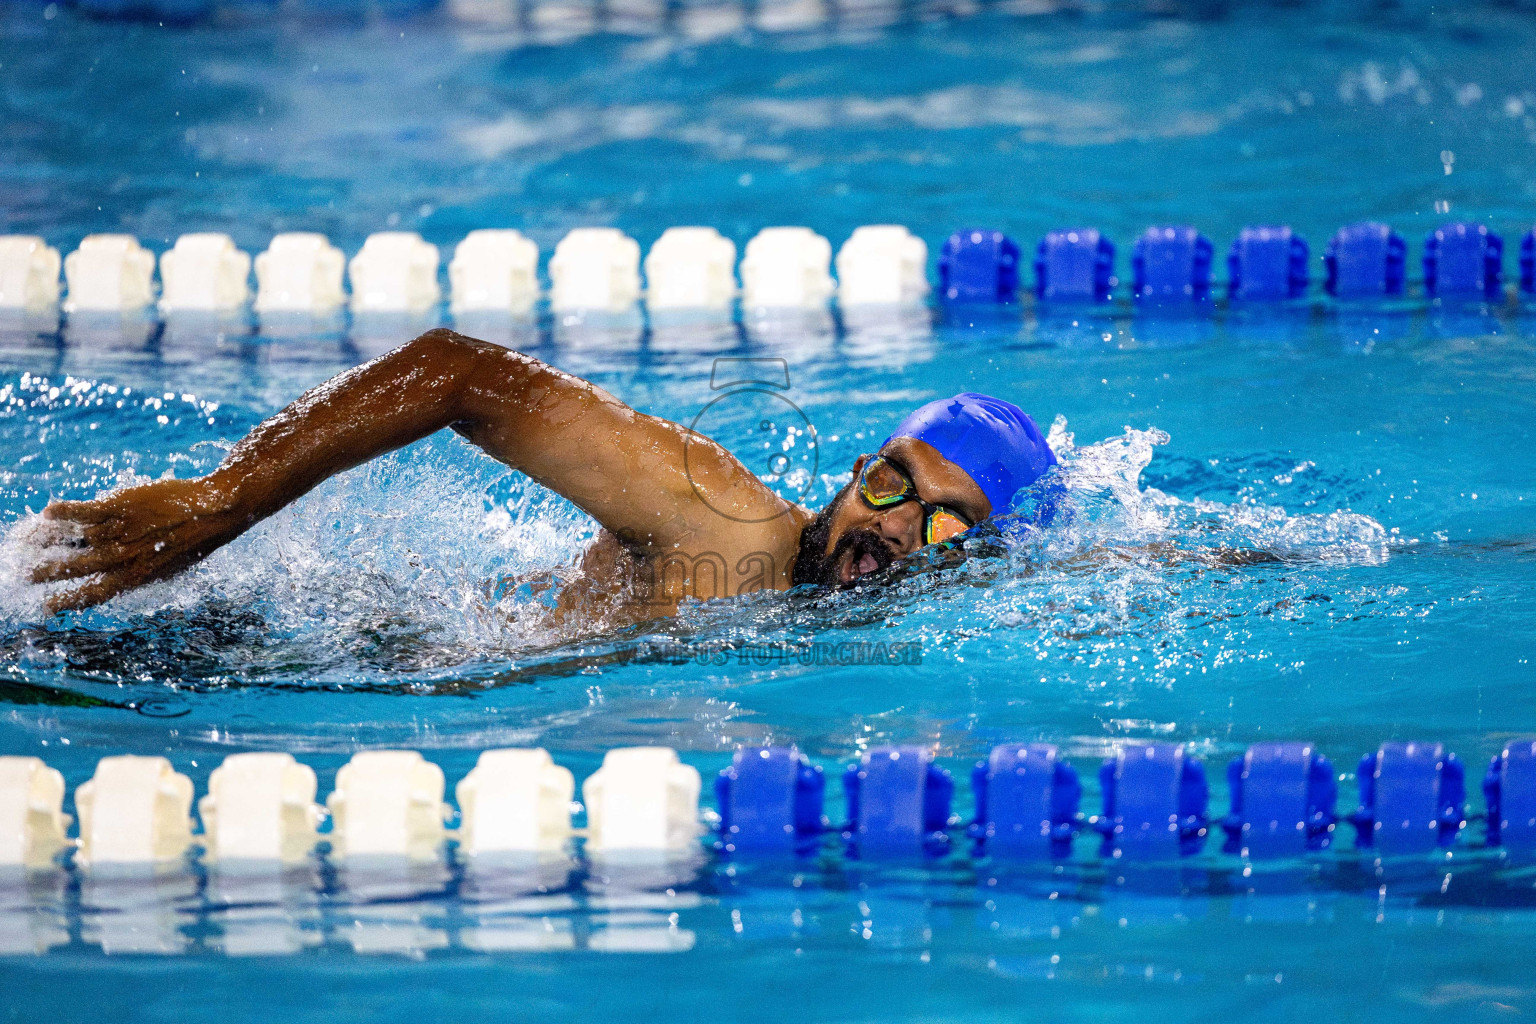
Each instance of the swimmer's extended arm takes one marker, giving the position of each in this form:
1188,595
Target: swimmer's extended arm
624,468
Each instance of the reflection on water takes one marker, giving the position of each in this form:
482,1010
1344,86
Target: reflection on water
256,909
887,336
133,910
563,22
189,337
705,332
109,332
793,334
600,332
521,907
32,912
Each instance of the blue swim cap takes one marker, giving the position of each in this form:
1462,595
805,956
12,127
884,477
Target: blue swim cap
992,440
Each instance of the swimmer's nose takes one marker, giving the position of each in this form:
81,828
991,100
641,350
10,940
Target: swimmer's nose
902,527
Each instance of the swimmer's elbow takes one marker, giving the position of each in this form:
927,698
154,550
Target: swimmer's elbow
442,347
451,360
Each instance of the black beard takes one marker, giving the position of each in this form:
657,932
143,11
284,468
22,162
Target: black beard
813,564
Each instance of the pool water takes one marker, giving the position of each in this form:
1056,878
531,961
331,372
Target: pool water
1380,458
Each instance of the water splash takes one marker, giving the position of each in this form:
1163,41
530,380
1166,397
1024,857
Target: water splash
1114,507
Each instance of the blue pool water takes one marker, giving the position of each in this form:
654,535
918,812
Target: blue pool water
1382,457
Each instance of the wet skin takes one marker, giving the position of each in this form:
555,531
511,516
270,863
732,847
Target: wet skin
668,533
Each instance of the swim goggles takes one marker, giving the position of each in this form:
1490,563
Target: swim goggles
884,485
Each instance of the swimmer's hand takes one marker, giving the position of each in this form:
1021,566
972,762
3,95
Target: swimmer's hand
133,537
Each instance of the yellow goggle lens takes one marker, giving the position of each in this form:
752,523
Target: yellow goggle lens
884,484
942,525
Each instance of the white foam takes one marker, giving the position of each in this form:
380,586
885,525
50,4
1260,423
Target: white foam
403,556
405,544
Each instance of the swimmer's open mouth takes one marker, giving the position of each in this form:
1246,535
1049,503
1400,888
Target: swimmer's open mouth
862,553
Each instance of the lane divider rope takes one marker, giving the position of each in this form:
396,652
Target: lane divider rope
598,271
644,800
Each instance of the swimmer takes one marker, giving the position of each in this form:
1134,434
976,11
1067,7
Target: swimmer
673,527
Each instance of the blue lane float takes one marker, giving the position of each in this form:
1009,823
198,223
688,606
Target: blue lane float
1510,790
1366,260
1075,265
1463,260
1528,263
770,800
1282,801
979,265
898,803
1171,265
1267,264
1027,801
1155,799
1412,799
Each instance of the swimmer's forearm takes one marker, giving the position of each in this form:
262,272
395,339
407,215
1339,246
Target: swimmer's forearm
375,408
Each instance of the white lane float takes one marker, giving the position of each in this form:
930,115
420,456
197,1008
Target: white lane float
29,273
595,270
514,801
642,799
134,811
32,819
394,272
786,268
260,807
690,268
882,264
109,274
301,272
204,272
494,271
388,803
